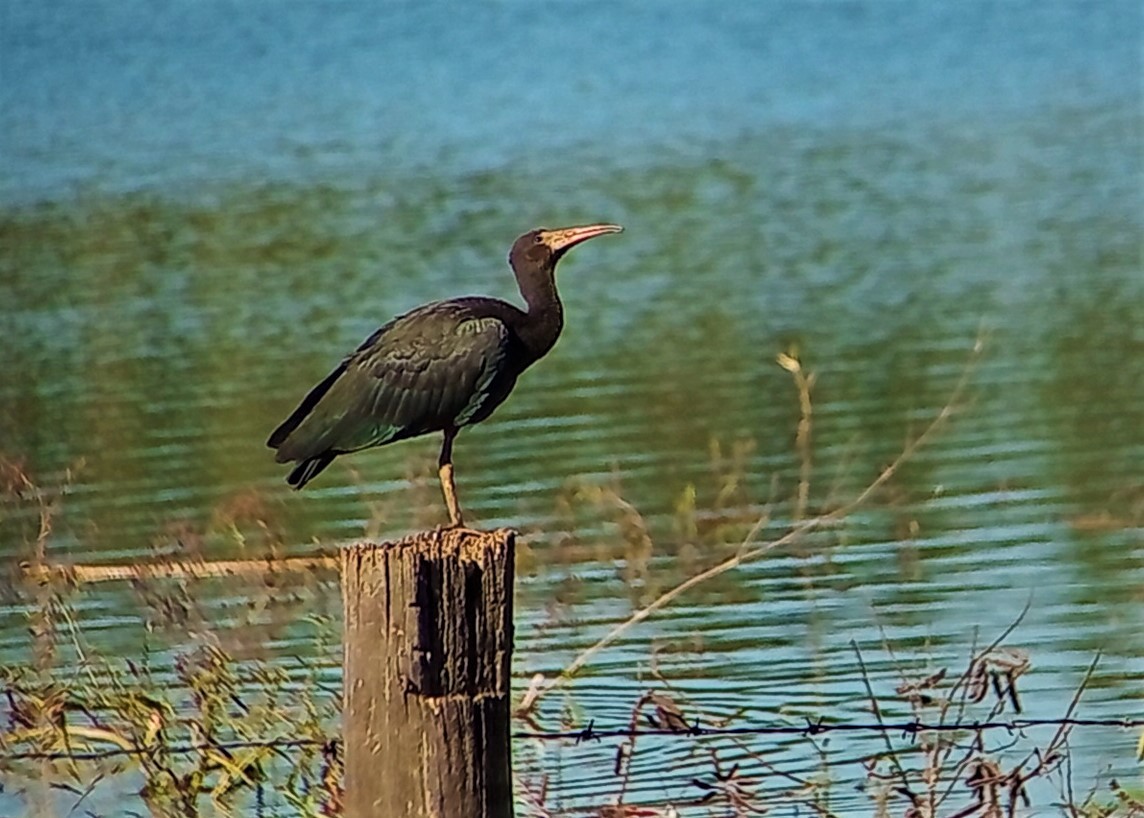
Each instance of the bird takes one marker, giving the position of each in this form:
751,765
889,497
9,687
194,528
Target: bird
437,368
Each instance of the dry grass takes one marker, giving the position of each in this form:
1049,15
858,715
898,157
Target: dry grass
209,727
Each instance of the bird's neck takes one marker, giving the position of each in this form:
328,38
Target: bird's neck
545,316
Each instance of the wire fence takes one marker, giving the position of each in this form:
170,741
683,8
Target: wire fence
590,732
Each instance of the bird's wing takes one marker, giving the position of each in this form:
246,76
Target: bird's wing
426,370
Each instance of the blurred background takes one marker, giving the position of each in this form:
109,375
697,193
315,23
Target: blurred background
204,205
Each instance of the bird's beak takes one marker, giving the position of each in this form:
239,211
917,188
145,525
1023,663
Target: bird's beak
561,240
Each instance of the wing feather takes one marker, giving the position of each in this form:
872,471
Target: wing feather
427,370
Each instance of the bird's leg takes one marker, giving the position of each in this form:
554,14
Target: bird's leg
448,486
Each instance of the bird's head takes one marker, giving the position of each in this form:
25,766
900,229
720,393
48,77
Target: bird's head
541,248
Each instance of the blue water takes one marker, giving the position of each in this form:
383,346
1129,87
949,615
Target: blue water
204,204
129,95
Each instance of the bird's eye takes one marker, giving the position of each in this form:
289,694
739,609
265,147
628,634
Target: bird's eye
539,239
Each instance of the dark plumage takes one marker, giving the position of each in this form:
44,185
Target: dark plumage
439,367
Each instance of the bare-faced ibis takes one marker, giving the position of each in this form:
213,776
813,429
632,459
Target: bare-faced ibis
437,368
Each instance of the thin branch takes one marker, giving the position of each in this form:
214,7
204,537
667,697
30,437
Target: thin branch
182,569
877,711
746,553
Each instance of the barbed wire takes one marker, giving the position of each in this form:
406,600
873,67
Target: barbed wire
905,729
817,727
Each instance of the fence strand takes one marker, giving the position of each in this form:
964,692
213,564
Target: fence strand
590,732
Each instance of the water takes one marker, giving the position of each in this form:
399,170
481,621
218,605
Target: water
202,206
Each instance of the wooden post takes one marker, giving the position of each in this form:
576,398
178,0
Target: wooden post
428,648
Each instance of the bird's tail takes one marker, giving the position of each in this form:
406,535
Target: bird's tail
287,427
309,468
